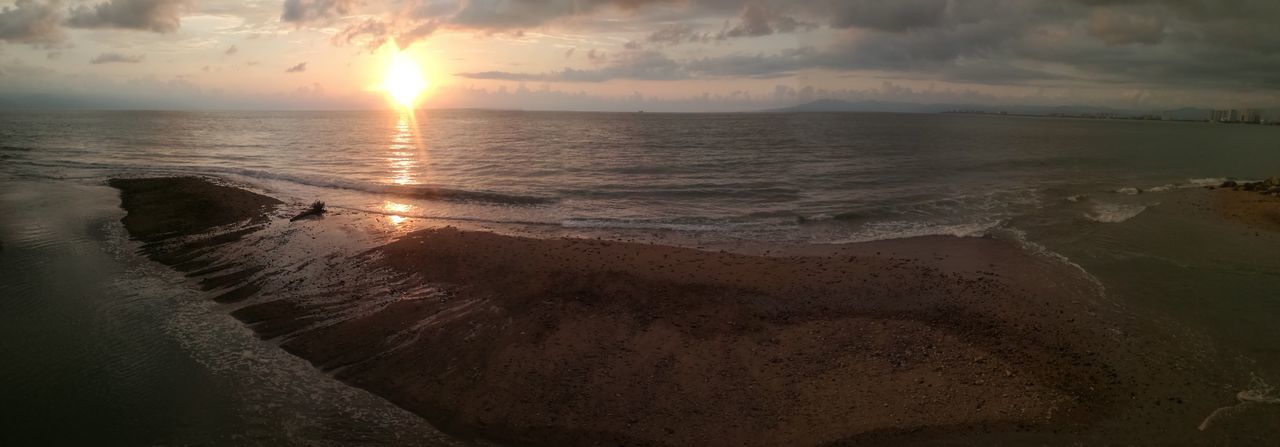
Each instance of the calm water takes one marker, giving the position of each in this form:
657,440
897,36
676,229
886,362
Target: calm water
126,346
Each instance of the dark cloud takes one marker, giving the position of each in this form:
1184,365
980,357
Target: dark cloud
634,65
1119,28
301,67
375,32
301,11
758,65
117,58
896,15
31,22
509,14
1226,43
757,21
160,16
678,33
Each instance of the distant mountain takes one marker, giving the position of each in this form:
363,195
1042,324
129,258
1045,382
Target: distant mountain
835,105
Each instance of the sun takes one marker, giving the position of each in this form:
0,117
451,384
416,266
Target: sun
404,82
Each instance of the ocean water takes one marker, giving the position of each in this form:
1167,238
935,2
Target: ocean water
1122,200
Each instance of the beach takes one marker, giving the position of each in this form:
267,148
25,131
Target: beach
571,341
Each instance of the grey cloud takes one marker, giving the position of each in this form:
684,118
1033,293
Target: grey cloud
160,16
301,67
508,14
232,50
897,15
637,65
378,32
1119,28
117,58
677,33
301,11
758,21
757,66
31,22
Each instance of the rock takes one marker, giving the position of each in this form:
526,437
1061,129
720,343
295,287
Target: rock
1273,181
1229,184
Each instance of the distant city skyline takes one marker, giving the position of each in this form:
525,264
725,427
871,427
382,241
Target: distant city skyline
660,55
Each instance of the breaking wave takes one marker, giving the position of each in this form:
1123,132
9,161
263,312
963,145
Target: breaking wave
1114,212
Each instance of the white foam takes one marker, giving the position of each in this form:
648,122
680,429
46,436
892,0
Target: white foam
1207,181
1259,393
1019,237
879,231
1114,212
817,218
1129,191
623,224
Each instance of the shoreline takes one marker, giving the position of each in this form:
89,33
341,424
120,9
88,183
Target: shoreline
581,342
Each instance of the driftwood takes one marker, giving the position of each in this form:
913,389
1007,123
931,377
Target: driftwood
317,210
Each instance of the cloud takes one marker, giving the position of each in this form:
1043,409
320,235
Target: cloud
161,16
635,65
232,50
301,67
31,22
677,33
758,65
376,32
895,16
117,58
757,21
302,11
1117,28
511,14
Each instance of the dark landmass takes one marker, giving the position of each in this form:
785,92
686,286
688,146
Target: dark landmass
159,208
1087,112
582,342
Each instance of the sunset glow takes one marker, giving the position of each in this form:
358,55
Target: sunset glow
404,82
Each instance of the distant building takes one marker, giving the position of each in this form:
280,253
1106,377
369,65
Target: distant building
1251,116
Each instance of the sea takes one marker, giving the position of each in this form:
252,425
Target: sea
98,343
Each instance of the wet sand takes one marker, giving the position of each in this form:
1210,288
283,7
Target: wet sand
584,342
1249,207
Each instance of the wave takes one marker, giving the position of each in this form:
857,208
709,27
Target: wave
1207,181
1114,212
840,217
889,230
641,224
423,192
1020,238
1190,183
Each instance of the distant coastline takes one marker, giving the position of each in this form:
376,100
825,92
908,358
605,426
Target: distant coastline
1186,114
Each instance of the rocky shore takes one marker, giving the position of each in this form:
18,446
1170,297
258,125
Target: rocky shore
1253,203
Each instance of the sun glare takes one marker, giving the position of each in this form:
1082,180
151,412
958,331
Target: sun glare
404,82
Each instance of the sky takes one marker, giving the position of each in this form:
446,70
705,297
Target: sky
659,55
